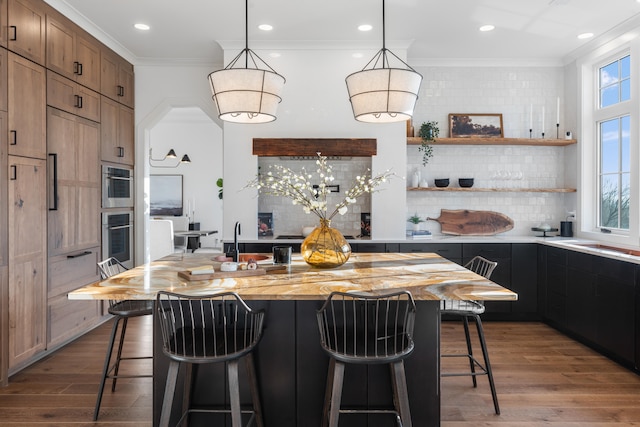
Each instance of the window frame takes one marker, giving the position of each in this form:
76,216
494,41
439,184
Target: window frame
590,115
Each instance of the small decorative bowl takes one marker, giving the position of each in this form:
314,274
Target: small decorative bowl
442,182
465,182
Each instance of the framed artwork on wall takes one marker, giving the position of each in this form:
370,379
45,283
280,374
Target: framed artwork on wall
475,126
165,195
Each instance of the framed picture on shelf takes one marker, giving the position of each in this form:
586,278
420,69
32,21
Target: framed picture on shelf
165,195
475,125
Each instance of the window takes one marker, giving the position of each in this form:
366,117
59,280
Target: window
614,173
613,130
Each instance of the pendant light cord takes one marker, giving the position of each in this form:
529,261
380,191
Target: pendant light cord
246,32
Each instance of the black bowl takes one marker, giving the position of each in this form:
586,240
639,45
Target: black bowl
443,182
465,182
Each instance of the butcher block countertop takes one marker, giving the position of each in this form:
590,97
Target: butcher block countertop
426,275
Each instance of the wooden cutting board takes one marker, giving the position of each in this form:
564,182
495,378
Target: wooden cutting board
473,223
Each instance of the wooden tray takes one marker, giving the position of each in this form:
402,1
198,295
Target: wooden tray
260,271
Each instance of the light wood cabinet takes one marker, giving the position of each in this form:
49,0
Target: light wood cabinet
71,97
67,273
3,23
117,128
4,82
4,323
74,183
3,189
27,108
71,52
27,29
4,261
27,259
117,79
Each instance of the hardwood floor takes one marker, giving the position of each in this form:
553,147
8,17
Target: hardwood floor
543,379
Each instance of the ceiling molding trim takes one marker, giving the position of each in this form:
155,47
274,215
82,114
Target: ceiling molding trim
622,33
90,27
485,62
177,62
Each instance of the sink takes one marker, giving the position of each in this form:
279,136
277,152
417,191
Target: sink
256,257
608,248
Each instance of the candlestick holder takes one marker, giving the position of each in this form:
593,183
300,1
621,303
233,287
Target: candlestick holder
530,133
557,130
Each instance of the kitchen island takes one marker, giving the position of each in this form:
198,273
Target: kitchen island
290,363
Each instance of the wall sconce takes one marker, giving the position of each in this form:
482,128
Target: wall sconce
170,155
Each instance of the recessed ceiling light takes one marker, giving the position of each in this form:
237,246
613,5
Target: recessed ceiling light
585,35
357,55
488,27
365,27
143,27
275,55
265,27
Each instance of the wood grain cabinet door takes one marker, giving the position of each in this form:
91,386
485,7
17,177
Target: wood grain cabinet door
61,40
27,258
117,132
26,29
4,82
3,23
74,183
27,108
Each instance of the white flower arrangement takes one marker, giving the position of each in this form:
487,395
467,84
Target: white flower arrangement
299,187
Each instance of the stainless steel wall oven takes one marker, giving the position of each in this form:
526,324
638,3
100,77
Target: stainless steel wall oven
117,187
117,236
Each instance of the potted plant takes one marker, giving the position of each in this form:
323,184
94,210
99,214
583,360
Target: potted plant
415,220
429,131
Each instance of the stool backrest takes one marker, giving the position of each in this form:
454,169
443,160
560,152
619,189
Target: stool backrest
367,328
110,267
215,327
481,266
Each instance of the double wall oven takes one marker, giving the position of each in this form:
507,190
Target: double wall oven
117,214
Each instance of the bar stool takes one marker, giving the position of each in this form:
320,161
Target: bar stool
466,310
363,328
217,328
122,311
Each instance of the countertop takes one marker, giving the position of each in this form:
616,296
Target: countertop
588,246
426,275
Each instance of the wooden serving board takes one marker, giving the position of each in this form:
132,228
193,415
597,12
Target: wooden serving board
224,274
473,223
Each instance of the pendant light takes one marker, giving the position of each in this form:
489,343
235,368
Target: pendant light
380,93
248,94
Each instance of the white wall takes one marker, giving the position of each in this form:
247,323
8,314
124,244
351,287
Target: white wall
159,89
511,91
189,131
315,105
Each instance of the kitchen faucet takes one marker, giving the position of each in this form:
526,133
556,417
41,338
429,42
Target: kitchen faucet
235,252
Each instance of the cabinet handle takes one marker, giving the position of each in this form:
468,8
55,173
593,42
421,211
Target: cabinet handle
14,173
120,151
120,90
77,68
78,101
84,253
13,137
15,33
53,182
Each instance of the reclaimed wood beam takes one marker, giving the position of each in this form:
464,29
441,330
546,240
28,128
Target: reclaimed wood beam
353,147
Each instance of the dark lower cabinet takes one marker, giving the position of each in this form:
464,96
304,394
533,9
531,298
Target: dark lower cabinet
593,299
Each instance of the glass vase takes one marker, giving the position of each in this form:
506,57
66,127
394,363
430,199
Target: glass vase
325,247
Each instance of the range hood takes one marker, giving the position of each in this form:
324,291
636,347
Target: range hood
307,148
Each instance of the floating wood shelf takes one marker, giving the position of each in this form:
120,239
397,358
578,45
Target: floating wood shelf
495,141
495,190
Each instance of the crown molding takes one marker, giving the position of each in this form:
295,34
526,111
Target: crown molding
486,62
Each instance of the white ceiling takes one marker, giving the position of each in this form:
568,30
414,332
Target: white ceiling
189,30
